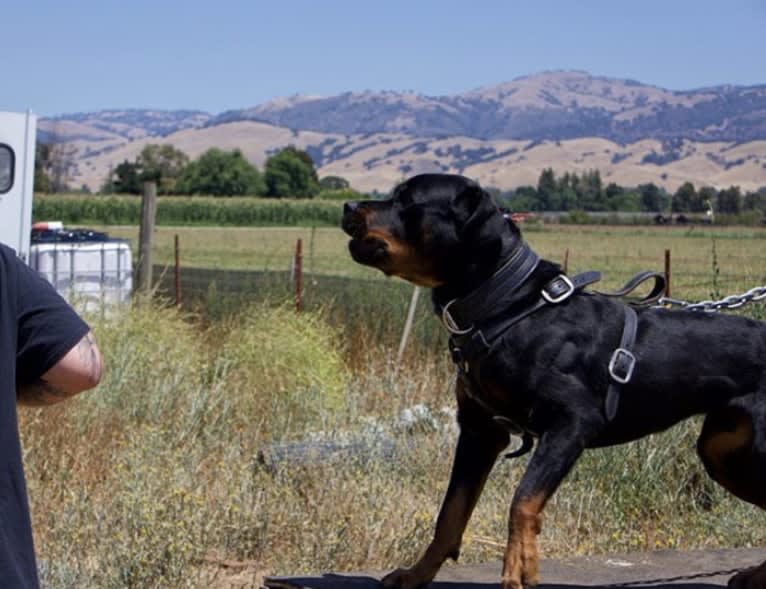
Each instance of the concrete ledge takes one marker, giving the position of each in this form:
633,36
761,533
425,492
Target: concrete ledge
663,569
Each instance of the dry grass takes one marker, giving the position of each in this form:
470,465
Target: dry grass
157,478
161,477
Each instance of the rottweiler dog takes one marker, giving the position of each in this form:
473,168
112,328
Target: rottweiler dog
547,373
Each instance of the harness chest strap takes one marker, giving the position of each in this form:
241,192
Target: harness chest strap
470,346
622,363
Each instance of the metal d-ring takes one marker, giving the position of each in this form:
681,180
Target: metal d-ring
450,323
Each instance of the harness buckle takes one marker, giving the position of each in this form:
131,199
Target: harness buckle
459,359
621,365
559,289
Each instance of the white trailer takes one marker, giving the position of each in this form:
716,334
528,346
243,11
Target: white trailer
17,168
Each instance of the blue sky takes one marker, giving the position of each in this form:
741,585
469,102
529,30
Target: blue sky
62,56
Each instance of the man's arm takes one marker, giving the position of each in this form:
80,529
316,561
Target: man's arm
78,370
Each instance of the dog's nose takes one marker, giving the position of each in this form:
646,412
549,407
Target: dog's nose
350,207
353,221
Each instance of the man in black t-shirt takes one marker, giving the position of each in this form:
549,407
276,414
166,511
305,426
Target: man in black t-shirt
47,354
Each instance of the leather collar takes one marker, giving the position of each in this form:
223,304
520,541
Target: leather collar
498,292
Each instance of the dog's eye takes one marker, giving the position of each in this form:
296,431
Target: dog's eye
412,218
411,211
405,199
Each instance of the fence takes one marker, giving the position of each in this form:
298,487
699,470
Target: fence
378,306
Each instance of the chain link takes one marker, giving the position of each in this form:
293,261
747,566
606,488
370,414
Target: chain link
731,302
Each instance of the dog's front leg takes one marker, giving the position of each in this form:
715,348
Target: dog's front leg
554,457
474,457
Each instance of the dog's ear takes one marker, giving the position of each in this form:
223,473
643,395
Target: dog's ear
472,207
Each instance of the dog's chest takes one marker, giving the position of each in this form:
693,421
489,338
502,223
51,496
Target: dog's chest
499,401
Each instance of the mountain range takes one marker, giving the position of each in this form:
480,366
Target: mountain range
502,135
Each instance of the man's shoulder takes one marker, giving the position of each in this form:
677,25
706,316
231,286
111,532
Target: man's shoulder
7,252
8,258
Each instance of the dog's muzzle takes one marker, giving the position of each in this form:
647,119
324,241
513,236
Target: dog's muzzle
353,222
364,249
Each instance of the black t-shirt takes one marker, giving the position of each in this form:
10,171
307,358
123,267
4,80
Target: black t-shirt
37,328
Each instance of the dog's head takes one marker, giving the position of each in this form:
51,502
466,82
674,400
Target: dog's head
433,230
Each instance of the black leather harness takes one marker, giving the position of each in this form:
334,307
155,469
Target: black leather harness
477,321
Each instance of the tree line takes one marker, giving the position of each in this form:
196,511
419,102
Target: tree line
586,192
289,172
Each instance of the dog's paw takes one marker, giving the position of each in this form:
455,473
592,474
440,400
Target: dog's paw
754,578
511,583
405,579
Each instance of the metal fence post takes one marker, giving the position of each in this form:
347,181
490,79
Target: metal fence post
299,275
667,273
178,270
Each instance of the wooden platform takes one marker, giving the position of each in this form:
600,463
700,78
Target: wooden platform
705,569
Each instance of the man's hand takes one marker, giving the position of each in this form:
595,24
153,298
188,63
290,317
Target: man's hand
77,371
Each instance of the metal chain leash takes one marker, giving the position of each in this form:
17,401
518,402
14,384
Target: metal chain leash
731,302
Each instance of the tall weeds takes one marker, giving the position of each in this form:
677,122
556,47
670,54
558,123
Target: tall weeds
158,478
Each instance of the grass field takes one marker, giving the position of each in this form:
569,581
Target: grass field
157,479
703,260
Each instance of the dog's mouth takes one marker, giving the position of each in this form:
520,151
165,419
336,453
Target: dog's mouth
366,247
368,250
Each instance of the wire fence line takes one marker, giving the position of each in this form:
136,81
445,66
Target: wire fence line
276,276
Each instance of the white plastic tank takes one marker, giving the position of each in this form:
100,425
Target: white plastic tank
92,274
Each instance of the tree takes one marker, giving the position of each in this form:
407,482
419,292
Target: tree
53,164
220,173
685,198
754,201
524,198
547,190
42,182
334,183
291,173
653,200
162,164
729,201
591,193
568,199
125,179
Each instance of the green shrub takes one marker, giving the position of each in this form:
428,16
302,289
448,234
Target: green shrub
290,364
152,358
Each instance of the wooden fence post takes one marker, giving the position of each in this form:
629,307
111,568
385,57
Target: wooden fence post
146,237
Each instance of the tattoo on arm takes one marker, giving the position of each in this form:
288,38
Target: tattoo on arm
90,357
80,369
40,393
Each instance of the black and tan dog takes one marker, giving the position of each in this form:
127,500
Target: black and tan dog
546,371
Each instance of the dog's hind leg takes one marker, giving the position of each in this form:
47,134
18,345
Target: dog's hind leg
732,447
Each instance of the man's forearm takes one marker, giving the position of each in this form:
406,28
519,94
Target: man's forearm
41,393
78,370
